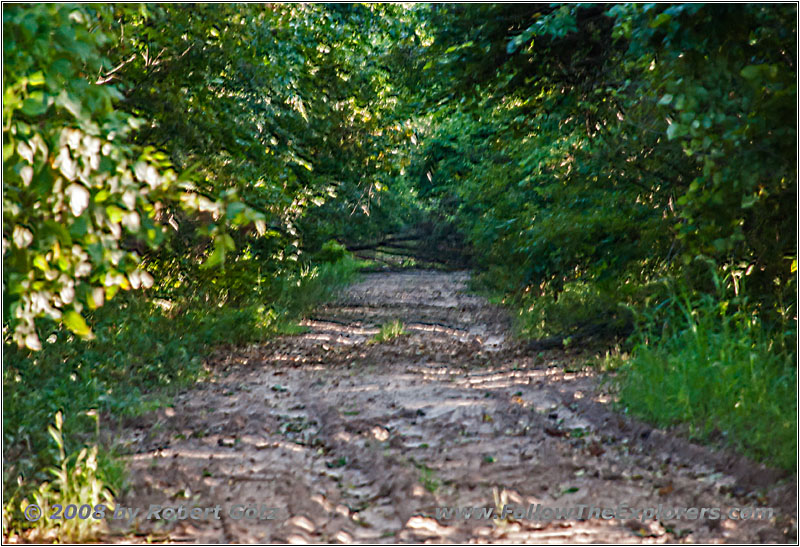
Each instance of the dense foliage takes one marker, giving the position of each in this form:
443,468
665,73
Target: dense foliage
602,161
625,172
246,119
614,145
189,151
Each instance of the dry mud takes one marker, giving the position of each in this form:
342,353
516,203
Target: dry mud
353,441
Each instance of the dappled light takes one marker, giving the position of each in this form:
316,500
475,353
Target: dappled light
400,273
376,436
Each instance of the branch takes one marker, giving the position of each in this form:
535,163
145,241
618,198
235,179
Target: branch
110,75
384,242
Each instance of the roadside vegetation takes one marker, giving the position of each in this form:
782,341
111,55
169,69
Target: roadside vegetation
177,178
626,176
389,331
165,174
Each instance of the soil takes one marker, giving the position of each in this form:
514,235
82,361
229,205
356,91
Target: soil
345,439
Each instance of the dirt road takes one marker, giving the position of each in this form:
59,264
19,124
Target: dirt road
353,441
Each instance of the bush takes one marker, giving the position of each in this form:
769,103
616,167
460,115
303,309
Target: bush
580,309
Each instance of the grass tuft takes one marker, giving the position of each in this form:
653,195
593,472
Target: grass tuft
389,331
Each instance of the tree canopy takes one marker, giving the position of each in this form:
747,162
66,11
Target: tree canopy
178,176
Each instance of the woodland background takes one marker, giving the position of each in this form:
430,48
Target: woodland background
180,177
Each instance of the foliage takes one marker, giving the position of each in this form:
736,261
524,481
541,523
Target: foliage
248,118
581,308
142,351
567,125
719,370
75,482
226,157
63,141
588,152
81,201
186,150
289,106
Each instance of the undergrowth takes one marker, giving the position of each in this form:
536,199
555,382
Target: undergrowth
579,309
143,350
704,361
709,362
74,484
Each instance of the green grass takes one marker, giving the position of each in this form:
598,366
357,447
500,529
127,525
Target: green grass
389,331
577,306
704,362
74,481
428,479
721,372
142,352
580,307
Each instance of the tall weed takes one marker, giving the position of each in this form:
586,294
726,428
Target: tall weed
708,361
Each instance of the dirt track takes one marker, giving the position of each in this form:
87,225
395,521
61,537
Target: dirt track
357,442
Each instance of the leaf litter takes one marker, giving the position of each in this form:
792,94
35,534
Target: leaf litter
355,441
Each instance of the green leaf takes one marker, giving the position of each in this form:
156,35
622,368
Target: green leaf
751,72
672,131
227,241
59,231
235,208
114,213
749,201
40,262
76,324
111,291
661,19
80,227
8,151
37,78
32,107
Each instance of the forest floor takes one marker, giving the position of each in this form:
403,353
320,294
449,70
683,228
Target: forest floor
357,441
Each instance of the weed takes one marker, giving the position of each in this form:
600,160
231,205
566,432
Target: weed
389,331
721,371
428,479
77,482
